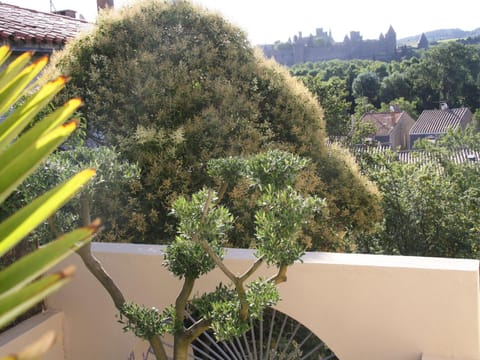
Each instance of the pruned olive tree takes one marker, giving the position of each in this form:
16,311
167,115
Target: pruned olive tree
281,214
172,86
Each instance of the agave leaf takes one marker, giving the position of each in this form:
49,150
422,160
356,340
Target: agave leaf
17,226
36,349
13,125
26,161
4,54
33,265
10,93
19,301
16,67
45,125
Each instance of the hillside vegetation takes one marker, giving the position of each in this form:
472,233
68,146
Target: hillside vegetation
439,35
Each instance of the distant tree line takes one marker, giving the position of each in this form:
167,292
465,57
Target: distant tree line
449,72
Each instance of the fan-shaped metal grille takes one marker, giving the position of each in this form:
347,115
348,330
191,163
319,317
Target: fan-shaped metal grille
274,337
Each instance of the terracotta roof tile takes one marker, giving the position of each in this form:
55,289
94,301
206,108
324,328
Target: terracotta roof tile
20,24
383,121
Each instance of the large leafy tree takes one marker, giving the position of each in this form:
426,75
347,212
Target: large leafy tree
366,84
448,72
395,86
332,96
172,86
410,107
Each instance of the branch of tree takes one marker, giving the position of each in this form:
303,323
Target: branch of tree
92,263
197,329
206,208
158,348
218,261
242,297
97,270
237,281
281,275
182,298
53,226
252,269
221,192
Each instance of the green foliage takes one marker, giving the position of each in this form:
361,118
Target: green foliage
333,97
366,84
277,169
410,107
476,120
185,257
260,294
222,305
145,322
447,72
451,71
281,214
113,178
394,86
185,87
22,283
431,208
360,131
278,223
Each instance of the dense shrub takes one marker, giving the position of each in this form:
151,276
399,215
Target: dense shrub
172,86
114,178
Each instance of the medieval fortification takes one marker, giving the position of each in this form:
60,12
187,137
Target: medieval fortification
321,47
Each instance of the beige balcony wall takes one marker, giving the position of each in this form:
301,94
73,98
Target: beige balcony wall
364,307
24,334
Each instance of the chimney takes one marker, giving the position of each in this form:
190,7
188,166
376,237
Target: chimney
69,13
104,4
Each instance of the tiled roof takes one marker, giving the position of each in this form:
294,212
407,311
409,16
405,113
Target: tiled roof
438,121
459,156
383,121
24,26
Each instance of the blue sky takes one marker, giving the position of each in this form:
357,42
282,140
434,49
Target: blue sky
268,20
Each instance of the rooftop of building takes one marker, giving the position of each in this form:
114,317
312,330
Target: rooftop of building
439,120
21,25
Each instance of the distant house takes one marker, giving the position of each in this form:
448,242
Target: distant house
392,128
432,124
26,29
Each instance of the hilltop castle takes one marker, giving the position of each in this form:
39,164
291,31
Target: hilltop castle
321,46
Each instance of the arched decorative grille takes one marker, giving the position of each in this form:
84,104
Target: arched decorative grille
274,337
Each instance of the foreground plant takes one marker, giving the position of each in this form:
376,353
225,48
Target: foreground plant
280,214
22,149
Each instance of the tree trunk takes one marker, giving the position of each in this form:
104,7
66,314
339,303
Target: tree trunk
97,270
181,347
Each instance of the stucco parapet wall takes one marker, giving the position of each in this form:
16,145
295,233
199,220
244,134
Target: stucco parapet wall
364,307
433,357
413,262
31,330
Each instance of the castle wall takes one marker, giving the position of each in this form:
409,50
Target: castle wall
306,49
